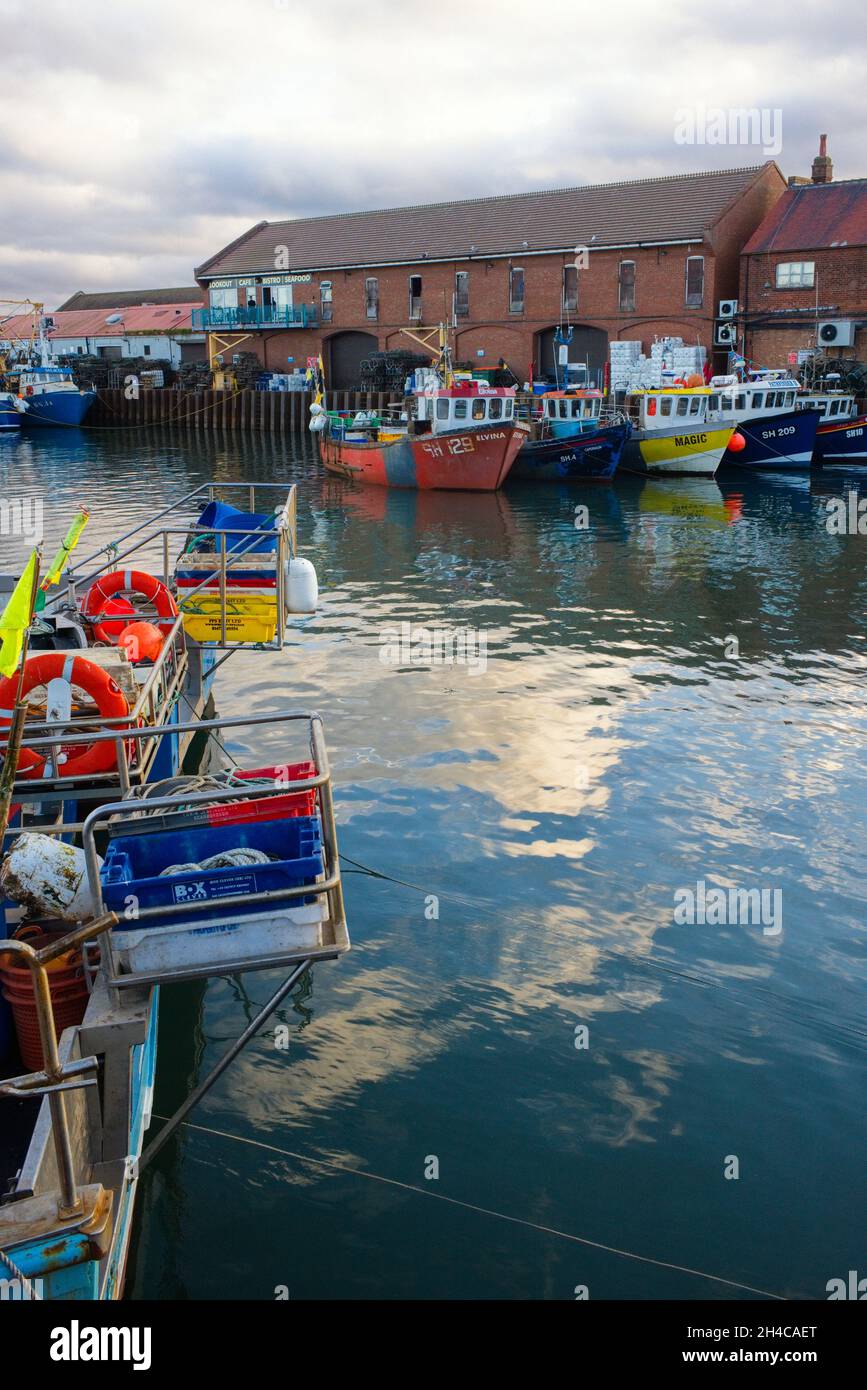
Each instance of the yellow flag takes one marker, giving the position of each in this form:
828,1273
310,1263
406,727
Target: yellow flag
67,545
15,619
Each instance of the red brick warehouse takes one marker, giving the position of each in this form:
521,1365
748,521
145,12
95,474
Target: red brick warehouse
804,271
661,253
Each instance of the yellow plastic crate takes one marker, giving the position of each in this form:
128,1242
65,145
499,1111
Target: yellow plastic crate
248,618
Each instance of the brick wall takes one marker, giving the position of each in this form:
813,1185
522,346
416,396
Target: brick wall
490,328
779,321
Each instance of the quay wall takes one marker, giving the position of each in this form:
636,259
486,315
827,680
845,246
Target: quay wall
277,412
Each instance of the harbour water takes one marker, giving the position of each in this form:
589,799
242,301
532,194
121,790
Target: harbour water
425,1120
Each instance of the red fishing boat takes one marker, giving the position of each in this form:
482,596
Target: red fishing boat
461,437
451,433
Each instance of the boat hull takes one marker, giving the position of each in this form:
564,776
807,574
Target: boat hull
53,408
843,440
591,456
465,461
782,441
675,452
10,418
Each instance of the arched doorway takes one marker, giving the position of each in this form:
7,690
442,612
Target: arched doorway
588,345
346,352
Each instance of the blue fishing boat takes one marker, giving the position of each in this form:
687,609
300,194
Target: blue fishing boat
842,432
52,398
10,416
573,439
777,433
203,874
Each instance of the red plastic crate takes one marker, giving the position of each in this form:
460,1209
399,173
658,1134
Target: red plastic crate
270,807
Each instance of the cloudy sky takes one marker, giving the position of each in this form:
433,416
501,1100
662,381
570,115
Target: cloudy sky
137,139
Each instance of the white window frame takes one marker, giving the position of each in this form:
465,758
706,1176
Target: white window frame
795,275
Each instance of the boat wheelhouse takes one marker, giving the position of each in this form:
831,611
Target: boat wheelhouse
671,432
565,413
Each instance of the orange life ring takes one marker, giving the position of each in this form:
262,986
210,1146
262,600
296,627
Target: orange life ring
83,759
132,581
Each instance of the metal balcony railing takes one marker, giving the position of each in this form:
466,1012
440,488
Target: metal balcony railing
257,316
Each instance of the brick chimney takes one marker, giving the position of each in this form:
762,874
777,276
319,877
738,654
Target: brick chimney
823,168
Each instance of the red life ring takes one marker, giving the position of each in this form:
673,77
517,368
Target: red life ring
132,581
83,759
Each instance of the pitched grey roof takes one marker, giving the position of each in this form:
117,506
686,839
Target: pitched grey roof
129,299
676,207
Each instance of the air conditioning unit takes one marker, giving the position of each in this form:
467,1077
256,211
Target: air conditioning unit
725,335
728,308
837,333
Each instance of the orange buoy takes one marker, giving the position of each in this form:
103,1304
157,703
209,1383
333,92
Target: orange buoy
142,641
736,443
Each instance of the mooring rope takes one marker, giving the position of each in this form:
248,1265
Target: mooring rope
482,1211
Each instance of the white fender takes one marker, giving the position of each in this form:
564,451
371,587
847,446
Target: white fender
302,586
48,878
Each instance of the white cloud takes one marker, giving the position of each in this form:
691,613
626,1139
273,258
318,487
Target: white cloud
136,140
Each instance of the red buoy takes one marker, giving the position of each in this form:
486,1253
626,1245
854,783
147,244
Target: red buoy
736,443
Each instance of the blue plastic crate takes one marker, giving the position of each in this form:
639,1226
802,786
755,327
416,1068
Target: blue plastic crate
133,864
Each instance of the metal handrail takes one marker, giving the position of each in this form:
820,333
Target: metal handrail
57,1077
330,886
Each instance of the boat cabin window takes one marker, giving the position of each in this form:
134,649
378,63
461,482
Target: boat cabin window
510,407
790,396
665,405
740,401
759,400
495,408
713,403
564,410
835,406
772,399
461,410
682,406
695,405
443,408
478,409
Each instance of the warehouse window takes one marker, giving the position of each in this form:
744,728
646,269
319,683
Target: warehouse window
626,281
146,350
415,296
796,275
325,301
371,297
462,293
570,287
516,290
694,282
